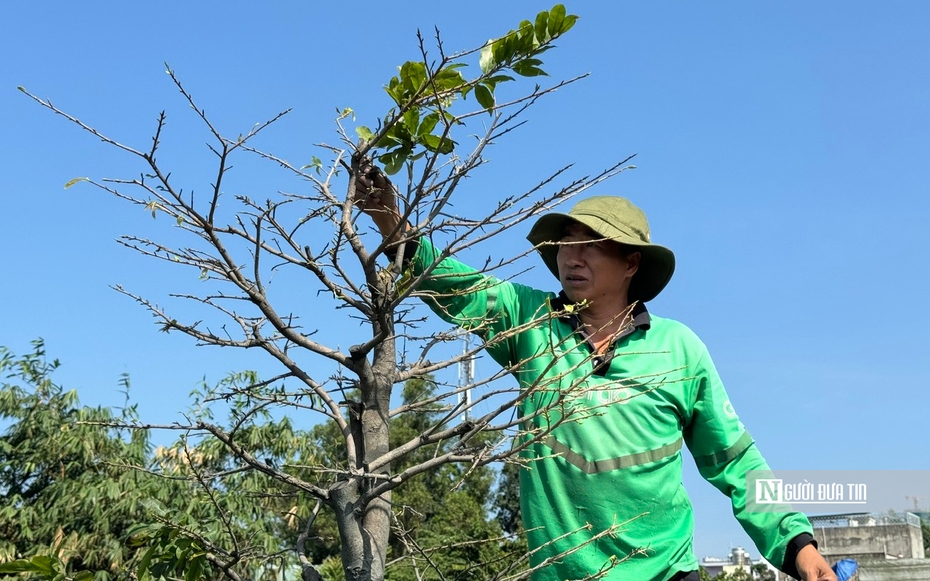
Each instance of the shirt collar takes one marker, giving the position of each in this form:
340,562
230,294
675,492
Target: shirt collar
641,318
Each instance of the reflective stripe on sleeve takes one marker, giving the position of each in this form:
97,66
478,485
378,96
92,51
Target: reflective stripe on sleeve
724,456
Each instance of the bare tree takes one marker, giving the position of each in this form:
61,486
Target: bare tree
244,250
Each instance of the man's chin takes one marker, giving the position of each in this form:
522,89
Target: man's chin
573,295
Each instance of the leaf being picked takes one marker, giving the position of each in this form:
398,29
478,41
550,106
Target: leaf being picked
485,97
486,61
443,145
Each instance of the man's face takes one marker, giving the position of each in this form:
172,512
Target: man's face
594,269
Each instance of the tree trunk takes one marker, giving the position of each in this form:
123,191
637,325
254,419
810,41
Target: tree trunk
364,530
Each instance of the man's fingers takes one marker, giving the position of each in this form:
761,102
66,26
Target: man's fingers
374,194
378,180
371,180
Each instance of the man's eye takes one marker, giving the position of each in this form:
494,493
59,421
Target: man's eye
591,244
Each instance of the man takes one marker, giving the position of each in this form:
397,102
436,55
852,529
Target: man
615,391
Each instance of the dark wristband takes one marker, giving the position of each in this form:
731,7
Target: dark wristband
790,566
410,249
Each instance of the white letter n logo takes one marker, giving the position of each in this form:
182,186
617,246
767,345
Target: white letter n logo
768,491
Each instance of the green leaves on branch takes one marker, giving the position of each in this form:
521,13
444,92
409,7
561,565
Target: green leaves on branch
517,49
416,84
407,133
424,95
44,567
316,164
170,554
433,95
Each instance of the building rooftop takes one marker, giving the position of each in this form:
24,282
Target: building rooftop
862,519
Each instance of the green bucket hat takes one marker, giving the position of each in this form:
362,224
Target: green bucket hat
617,219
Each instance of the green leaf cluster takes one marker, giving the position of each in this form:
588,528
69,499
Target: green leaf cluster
45,567
170,554
410,131
519,49
423,94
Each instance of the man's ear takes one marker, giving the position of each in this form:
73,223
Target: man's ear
633,261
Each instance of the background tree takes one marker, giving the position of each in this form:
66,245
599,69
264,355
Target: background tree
507,499
70,505
245,248
61,484
442,520
757,572
74,489
761,572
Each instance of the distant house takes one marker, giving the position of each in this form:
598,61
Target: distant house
862,536
887,546
738,559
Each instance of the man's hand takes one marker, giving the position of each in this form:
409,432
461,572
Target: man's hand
812,566
374,195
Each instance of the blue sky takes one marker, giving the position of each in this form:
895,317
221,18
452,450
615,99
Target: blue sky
781,148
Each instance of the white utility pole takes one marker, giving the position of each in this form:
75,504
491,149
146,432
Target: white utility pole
466,375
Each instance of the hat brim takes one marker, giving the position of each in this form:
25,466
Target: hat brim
656,266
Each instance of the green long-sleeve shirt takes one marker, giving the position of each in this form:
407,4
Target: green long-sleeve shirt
605,469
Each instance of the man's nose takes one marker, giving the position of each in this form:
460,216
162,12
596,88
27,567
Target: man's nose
573,254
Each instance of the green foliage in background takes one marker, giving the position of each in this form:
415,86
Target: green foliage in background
84,500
